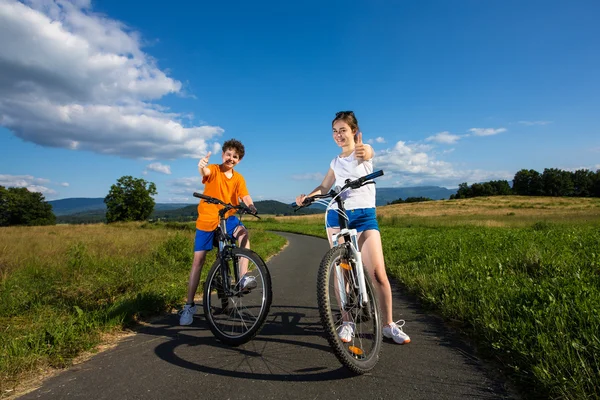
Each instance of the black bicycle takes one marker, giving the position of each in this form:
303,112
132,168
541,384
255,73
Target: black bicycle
348,304
235,312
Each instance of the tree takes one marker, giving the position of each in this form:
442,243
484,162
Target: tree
409,200
19,206
463,192
528,183
583,182
130,200
557,182
500,188
596,184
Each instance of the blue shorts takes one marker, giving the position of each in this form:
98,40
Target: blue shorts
204,239
361,219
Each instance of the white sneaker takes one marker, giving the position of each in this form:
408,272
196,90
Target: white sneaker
248,282
346,332
187,314
394,331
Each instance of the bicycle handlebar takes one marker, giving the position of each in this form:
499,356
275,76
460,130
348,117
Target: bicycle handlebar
355,184
243,208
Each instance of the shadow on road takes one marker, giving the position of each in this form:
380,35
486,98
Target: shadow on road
289,348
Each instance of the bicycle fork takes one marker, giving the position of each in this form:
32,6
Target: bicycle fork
360,272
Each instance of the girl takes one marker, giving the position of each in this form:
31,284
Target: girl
356,161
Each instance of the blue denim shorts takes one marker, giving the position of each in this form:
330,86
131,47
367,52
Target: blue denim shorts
204,239
361,219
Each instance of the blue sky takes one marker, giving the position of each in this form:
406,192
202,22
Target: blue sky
445,91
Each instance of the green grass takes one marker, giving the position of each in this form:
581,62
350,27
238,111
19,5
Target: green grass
529,296
527,289
54,309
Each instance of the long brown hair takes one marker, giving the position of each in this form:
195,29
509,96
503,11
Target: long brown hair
349,118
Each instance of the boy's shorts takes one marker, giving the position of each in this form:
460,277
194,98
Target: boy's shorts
204,239
361,219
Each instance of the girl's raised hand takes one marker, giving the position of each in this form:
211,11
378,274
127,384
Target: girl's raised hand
360,150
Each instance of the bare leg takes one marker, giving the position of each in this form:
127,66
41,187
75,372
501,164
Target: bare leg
243,242
197,264
330,233
369,243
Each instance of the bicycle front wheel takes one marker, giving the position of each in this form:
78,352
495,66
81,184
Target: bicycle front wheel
236,314
352,329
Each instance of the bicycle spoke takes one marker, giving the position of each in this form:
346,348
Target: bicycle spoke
246,307
353,329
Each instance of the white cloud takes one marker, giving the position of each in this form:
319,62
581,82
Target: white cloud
486,131
65,184
185,186
158,167
531,123
32,183
316,176
216,149
74,79
376,140
181,199
410,165
443,137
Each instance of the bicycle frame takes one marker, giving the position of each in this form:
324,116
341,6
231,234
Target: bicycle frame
226,244
352,243
350,235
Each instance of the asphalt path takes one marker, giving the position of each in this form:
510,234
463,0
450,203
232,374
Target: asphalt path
289,359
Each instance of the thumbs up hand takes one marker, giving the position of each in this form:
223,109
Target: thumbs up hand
204,161
360,150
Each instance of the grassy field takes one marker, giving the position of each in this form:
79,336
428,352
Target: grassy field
520,275
65,289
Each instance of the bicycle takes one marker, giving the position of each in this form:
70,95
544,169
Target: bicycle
345,294
235,314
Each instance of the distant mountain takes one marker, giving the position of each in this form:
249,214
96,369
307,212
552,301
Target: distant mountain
387,195
83,207
92,211
78,205
279,208
264,207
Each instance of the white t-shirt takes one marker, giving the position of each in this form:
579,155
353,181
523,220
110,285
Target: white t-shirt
351,168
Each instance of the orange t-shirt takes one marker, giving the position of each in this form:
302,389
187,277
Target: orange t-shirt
228,190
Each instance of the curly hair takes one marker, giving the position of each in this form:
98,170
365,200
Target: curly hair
235,145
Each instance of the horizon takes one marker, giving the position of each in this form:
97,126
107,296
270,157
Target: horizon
445,92
281,201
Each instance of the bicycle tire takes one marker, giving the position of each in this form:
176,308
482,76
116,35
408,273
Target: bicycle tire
241,322
347,353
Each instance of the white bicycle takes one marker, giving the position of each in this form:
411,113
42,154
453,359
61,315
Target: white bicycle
345,293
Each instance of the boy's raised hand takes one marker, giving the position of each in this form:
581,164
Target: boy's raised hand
204,161
360,150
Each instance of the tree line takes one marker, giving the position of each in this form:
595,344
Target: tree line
409,200
529,182
19,206
130,199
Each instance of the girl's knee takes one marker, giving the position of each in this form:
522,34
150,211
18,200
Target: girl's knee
381,276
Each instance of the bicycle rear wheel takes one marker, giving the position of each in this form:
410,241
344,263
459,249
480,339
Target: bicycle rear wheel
235,318
337,296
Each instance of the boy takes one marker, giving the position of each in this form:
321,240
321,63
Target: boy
222,182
